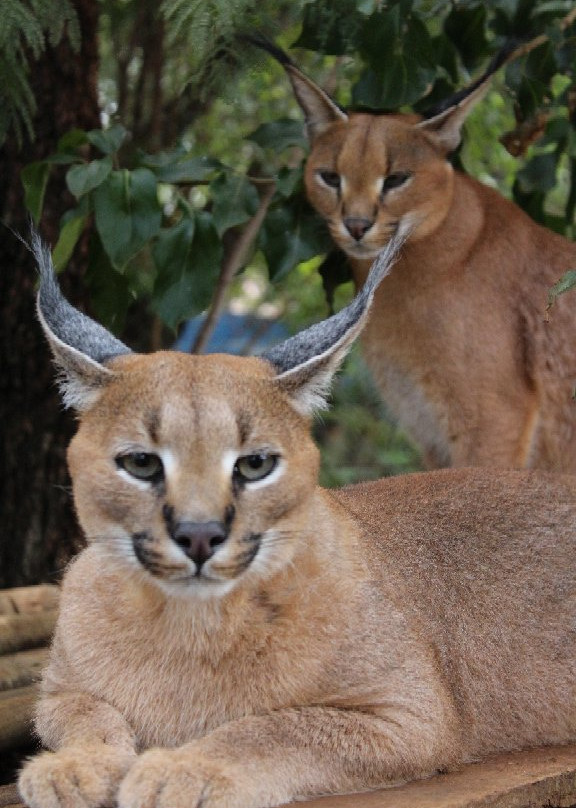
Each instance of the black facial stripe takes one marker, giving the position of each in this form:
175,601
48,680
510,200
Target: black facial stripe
152,423
169,521
244,559
251,538
229,515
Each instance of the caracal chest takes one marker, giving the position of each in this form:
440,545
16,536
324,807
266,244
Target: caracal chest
175,668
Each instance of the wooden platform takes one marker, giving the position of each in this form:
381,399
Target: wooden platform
539,778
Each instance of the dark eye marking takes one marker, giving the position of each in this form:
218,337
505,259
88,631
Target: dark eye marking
330,178
395,180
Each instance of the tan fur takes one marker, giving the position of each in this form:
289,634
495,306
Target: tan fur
380,632
459,342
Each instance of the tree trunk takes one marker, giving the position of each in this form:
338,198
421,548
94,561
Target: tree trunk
38,531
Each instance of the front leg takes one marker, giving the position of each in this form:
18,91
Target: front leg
94,748
262,761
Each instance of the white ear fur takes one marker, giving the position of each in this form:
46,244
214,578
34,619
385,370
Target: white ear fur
446,127
308,385
81,379
307,362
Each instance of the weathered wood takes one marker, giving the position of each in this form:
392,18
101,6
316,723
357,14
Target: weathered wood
9,797
21,631
29,599
23,668
538,778
16,711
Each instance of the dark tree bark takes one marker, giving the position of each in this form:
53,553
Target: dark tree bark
38,532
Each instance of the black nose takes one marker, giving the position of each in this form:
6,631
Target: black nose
199,539
358,227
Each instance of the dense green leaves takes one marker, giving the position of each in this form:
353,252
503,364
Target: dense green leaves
127,213
35,178
188,257
291,234
235,200
161,217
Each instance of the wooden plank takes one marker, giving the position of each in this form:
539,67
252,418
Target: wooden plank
21,631
538,778
9,797
29,599
22,668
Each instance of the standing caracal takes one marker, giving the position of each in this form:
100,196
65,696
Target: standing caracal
458,340
235,636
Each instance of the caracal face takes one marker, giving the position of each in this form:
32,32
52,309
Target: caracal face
177,474
370,176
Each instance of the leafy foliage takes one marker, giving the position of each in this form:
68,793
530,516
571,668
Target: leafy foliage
199,129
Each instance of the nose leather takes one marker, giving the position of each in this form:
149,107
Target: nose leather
199,540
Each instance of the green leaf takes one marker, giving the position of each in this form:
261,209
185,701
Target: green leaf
108,141
35,179
539,174
67,240
110,292
280,135
289,180
175,167
87,176
330,26
127,213
183,292
566,282
465,26
291,234
403,81
235,200
71,141
401,58
171,251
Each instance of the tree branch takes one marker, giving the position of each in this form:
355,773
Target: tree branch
231,264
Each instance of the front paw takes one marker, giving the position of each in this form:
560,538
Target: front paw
87,777
185,778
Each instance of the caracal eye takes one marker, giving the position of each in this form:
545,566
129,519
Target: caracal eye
142,466
330,178
395,180
255,467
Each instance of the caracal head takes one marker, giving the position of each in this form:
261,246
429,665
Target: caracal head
197,472
370,175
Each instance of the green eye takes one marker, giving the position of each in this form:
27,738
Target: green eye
142,466
255,467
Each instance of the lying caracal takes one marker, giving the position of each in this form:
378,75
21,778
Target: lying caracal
235,636
458,341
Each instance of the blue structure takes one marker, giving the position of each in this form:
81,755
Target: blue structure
240,334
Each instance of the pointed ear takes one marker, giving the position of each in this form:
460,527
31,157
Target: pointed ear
307,362
320,111
444,121
80,346
446,127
